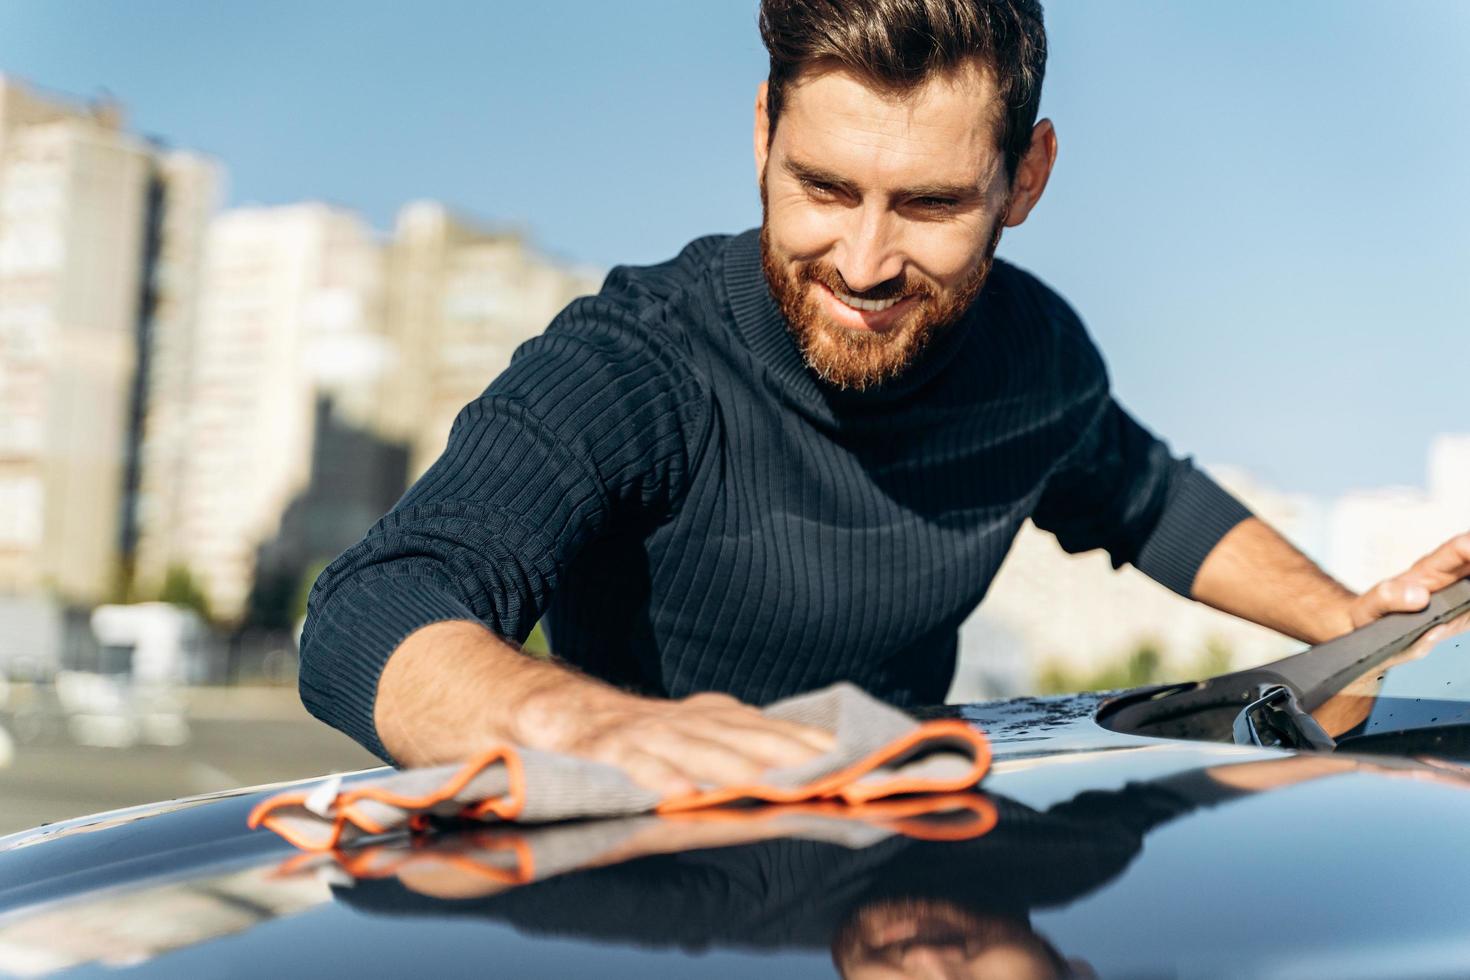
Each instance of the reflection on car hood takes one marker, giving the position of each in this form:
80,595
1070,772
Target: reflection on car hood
1135,856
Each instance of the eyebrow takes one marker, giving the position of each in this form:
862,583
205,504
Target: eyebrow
808,173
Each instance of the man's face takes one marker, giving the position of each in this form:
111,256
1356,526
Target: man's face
881,214
906,939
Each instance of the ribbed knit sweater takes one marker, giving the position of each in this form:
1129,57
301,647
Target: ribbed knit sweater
662,479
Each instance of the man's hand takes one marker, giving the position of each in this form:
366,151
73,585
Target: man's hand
669,746
453,689
1256,574
1410,591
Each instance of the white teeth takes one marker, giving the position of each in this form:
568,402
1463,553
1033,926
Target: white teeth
870,305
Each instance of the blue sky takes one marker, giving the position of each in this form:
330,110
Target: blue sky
1261,209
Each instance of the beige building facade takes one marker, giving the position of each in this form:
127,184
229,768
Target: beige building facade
73,213
1376,533
162,364
190,187
461,299
282,288
302,302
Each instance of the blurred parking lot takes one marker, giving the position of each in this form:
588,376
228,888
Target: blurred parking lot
227,737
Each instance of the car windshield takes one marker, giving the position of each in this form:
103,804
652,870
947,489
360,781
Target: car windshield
1400,686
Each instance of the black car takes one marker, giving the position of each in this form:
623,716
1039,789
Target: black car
1304,819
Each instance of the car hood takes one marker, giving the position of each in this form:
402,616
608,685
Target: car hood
1113,853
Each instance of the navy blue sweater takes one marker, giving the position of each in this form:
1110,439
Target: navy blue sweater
661,477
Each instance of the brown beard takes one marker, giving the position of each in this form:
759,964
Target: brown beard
855,359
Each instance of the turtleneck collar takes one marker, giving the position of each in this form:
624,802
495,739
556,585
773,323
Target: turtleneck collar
759,321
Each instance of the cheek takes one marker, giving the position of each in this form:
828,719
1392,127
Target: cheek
801,230
947,254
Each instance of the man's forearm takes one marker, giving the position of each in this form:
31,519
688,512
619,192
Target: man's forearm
453,689
1256,574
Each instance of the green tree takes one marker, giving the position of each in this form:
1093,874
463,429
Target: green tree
1216,660
180,589
303,590
120,585
1144,665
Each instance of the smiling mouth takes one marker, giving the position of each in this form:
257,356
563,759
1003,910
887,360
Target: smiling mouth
867,305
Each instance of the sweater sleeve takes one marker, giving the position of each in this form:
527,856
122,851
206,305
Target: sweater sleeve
1120,489
594,423
1112,484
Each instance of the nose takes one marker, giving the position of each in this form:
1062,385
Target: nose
868,253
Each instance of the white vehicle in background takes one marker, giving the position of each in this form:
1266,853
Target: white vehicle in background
153,644
146,651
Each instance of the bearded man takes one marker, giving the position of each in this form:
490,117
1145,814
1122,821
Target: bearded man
789,457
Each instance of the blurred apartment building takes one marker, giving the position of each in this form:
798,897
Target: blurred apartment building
461,299
326,369
1391,528
289,303
93,242
164,380
184,388
73,210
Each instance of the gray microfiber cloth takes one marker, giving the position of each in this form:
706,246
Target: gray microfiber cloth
879,752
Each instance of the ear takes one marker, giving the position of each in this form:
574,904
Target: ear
762,131
1032,173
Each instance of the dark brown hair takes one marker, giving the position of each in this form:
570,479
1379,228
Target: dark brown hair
901,43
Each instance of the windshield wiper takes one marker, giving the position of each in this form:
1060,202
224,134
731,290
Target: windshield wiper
1209,710
1277,720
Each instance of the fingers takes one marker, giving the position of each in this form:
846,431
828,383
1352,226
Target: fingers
709,760
1389,596
716,699
744,716
724,748
674,762
817,739
1405,595
778,748
654,773
1443,566
1410,591
676,747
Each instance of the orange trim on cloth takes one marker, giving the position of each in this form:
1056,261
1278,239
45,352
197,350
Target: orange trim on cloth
843,784
381,861
506,807
903,816
840,790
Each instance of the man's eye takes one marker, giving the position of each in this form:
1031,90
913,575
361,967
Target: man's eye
818,189
936,203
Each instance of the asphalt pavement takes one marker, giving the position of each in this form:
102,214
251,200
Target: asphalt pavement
235,738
